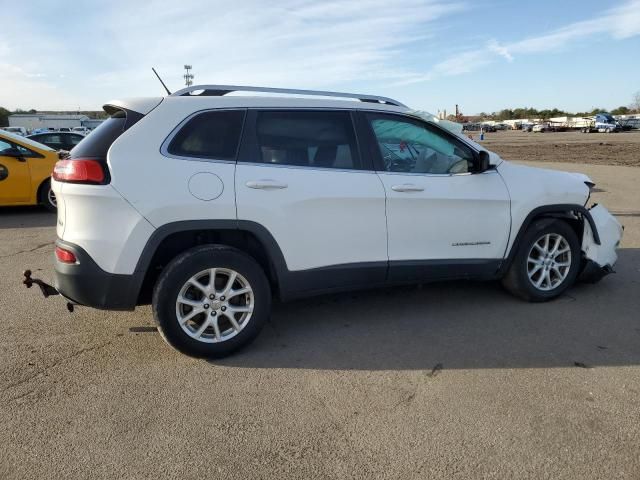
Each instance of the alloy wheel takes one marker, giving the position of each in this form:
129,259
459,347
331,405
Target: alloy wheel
51,197
549,262
214,305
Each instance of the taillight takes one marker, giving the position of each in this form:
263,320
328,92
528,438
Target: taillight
79,171
65,256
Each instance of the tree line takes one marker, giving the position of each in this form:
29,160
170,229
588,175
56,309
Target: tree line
516,113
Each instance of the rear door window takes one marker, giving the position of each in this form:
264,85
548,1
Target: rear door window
318,139
211,135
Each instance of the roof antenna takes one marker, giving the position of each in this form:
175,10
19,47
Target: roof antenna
165,87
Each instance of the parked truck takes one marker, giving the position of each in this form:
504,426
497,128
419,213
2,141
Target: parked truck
601,122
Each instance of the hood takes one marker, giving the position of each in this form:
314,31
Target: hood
584,179
546,186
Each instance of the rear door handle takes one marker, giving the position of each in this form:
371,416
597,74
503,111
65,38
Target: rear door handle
407,187
266,184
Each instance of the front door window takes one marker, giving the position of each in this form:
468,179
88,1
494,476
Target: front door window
412,147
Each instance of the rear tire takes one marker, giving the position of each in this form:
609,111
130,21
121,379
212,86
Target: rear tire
543,269
46,197
211,318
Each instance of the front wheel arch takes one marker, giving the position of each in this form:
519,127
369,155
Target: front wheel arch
518,279
575,215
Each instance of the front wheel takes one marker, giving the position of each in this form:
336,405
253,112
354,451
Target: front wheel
211,301
546,262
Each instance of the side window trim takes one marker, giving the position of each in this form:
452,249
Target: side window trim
164,147
250,148
375,150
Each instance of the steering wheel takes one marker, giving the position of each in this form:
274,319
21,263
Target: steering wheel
461,166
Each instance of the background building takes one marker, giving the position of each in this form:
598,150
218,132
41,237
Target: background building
31,121
92,123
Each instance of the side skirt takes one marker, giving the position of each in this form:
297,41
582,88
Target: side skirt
340,278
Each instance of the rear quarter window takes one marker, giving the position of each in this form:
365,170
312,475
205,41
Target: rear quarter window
211,135
96,145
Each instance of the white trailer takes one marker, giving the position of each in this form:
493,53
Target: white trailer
601,122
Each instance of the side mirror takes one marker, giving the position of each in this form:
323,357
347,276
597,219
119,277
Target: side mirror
483,161
13,152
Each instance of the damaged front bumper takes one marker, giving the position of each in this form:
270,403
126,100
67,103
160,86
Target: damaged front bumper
599,248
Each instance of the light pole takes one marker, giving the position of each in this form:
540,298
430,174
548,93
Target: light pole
188,76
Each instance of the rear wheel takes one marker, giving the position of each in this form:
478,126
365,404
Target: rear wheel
546,262
211,300
46,197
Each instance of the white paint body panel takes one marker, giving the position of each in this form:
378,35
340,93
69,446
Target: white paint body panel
156,185
323,217
610,233
98,219
530,188
453,217
61,213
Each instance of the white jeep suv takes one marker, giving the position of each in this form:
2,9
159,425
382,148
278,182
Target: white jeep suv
207,205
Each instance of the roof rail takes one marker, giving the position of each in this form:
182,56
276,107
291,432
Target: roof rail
220,90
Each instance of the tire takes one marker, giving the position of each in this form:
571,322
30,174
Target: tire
221,337
46,197
530,264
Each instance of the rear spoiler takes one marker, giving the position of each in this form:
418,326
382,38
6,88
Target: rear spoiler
141,105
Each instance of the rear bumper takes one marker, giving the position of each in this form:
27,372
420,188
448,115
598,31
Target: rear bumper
85,283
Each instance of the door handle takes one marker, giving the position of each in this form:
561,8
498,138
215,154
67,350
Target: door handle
266,184
407,187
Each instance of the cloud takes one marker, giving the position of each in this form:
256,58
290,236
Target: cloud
32,90
295,43
618,23
290,42
501,50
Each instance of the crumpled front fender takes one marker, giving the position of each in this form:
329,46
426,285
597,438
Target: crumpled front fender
610,233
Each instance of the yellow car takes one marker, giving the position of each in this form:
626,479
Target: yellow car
25,171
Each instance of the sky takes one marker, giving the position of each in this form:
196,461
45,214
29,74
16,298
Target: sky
484,55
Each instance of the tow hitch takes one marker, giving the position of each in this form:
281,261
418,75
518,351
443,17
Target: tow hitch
46,289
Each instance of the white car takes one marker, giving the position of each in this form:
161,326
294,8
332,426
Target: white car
208,205
16,130
81,130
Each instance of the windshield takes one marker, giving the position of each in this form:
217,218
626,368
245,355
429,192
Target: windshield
430,117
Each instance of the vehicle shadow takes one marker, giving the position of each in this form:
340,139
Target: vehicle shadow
26,217
456,325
